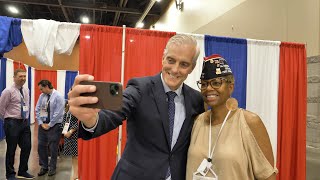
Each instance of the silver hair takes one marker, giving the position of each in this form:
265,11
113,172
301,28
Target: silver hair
180,39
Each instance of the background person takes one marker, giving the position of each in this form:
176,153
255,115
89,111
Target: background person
14,109
49,113
70,132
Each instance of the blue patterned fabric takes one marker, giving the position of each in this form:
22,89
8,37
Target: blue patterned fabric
233,50
10,33
171,111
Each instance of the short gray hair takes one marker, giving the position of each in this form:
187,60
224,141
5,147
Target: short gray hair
180,39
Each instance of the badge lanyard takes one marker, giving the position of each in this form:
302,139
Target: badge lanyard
22,99
67,124
206,164
23,103
44,111
210,134
48,100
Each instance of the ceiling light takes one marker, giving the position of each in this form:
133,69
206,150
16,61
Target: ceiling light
158,0
85,19
140,25
87,37
13,9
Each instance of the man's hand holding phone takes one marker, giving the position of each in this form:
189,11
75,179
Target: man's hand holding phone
88,97
86,115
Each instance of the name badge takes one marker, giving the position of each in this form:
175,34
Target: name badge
204,167
65,128
25,108
43,113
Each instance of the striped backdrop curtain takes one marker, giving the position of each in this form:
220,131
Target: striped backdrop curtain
235,52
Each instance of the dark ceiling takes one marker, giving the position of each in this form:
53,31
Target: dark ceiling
104,12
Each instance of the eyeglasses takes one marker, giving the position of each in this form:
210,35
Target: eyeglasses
214,83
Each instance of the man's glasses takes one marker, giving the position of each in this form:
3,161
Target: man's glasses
214,83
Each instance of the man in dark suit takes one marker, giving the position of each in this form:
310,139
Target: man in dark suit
160,111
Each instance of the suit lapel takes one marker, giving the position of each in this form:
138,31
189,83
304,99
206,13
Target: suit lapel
187,124
162,105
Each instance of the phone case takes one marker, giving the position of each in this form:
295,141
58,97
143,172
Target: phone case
109,95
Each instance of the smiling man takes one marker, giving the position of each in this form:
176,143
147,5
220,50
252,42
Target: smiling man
160,111
14,109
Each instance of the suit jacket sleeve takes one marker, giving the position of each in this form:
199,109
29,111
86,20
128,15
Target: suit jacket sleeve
109,120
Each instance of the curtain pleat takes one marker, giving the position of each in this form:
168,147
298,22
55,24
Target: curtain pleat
3,76
70,76
100,56
262,84
292,110
144,52
234,50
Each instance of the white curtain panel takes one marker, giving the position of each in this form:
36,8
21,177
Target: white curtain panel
262,84
27,33
10,71
67,36
195,75
32,99
44,38
61,80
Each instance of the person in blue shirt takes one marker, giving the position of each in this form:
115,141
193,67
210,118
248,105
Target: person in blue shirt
49,113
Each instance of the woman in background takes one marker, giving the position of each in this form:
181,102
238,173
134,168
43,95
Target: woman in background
227,142
70,132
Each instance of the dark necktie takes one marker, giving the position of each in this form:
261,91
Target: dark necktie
171,111
23,114
48,109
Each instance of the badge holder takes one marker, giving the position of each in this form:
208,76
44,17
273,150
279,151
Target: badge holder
67,124
198,176
65,128
43,112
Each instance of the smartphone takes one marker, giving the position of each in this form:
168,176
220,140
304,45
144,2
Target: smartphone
109,95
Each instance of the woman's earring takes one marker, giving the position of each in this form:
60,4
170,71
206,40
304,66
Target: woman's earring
232,104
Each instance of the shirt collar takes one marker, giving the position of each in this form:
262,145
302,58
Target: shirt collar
167,89
51,92
16,86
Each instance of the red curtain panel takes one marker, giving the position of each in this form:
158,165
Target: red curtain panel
292,110
100,56
41,75
18,65
143,56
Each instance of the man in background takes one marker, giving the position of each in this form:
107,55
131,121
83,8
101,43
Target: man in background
49,113
14,109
